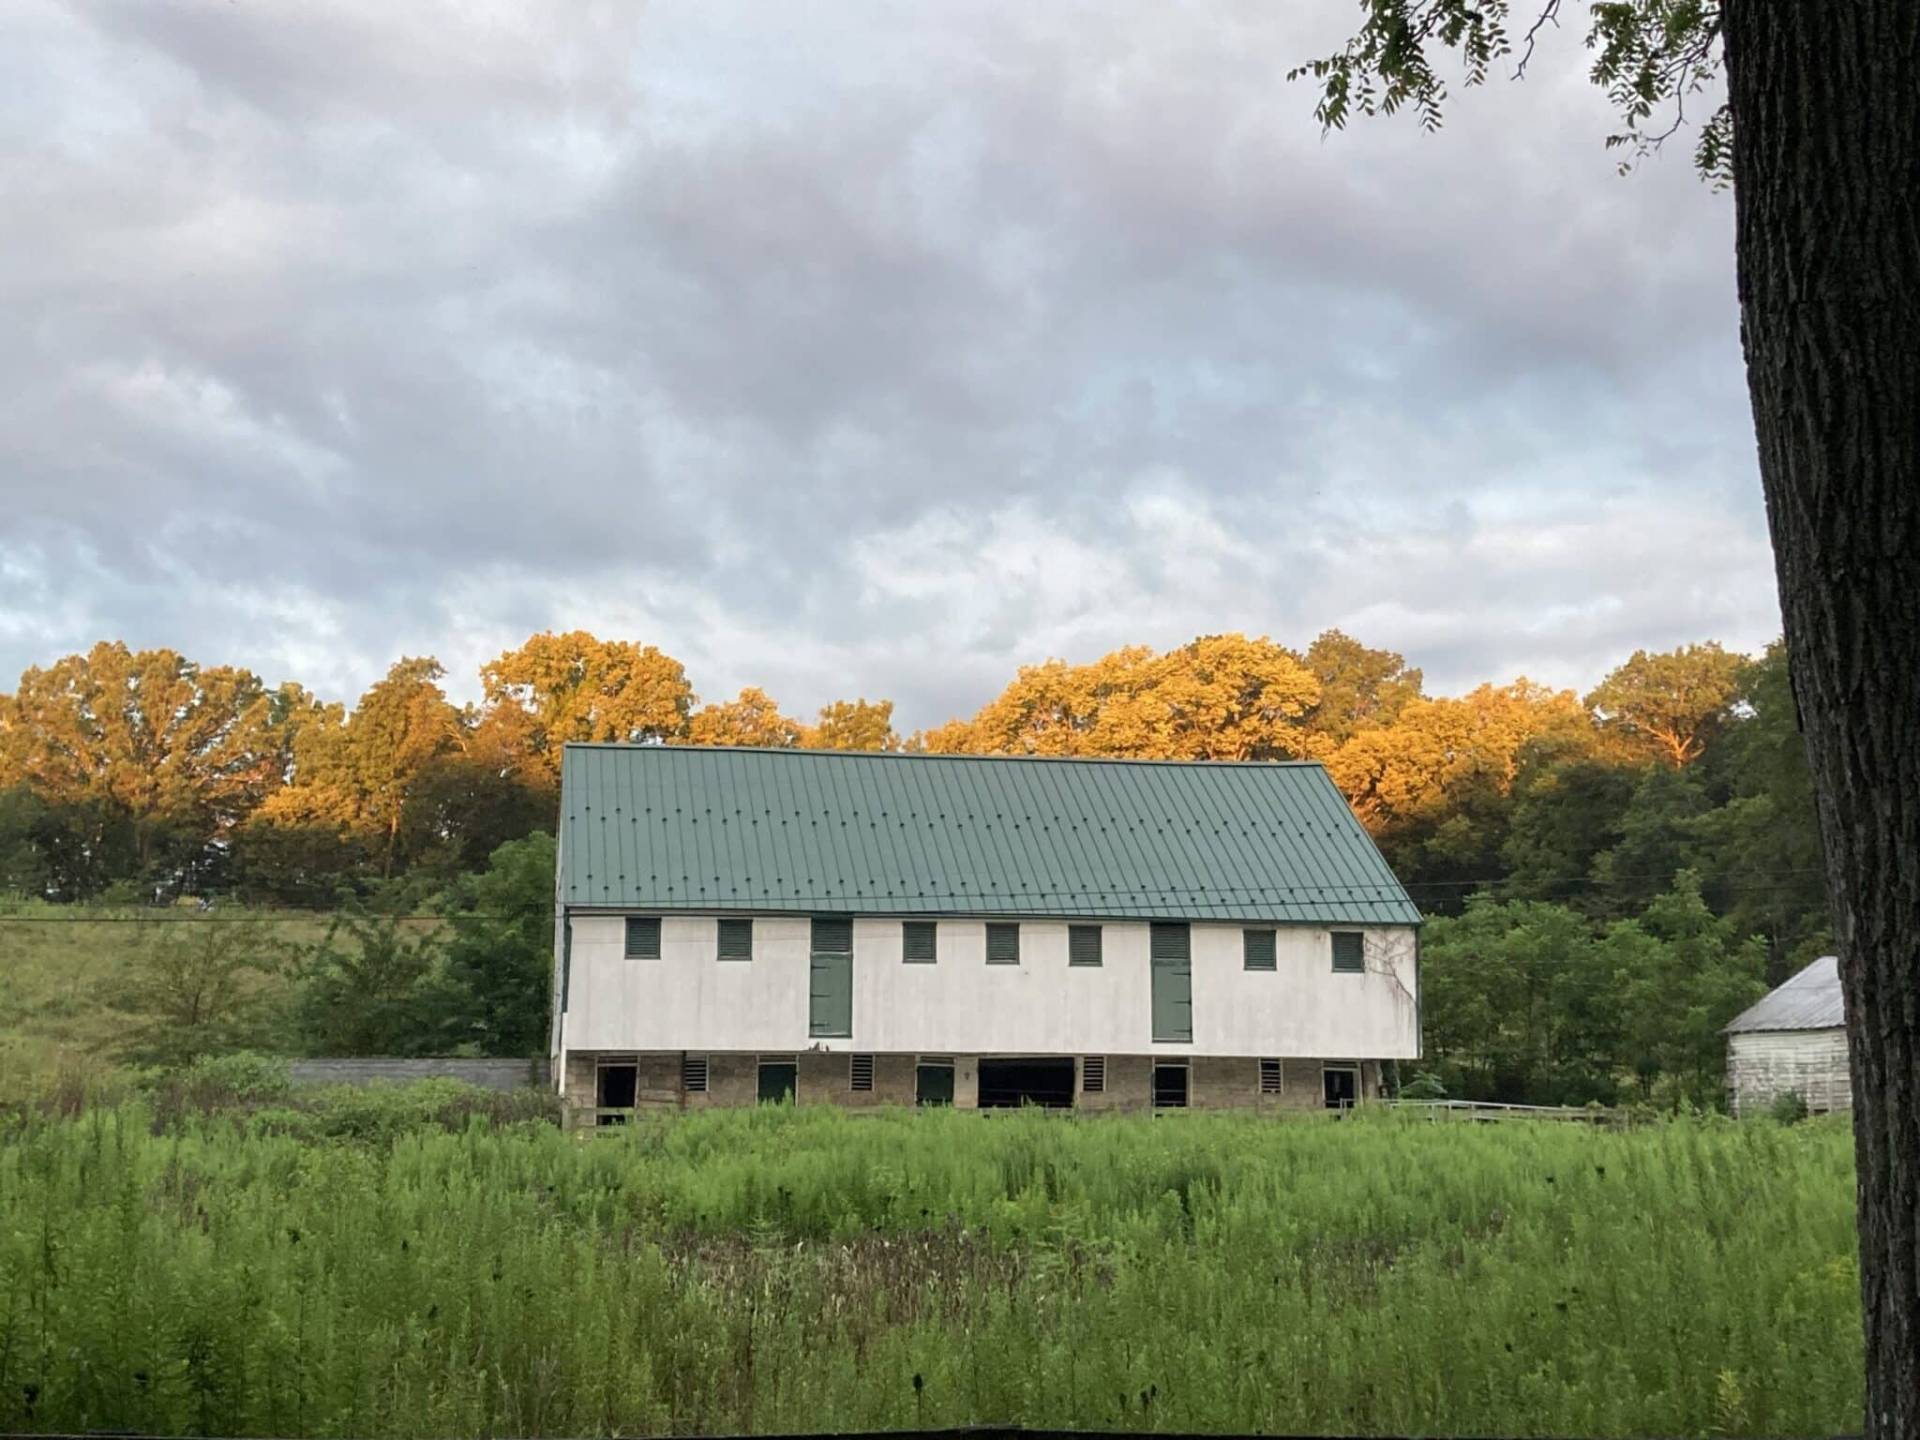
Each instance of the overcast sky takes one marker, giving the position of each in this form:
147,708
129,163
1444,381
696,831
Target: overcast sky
842,348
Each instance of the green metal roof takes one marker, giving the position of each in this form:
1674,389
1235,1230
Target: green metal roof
647,827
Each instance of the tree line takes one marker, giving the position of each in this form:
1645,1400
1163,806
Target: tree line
1609,877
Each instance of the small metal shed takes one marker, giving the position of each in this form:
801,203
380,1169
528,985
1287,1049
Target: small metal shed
1792,1041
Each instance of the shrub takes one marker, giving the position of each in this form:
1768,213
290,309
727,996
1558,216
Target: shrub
1788,1108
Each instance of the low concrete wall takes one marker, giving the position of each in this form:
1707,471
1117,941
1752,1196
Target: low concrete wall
373,1070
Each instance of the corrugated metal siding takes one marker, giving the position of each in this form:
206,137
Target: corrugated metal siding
661,828
1762,1066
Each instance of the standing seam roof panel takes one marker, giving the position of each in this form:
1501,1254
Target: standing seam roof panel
887,833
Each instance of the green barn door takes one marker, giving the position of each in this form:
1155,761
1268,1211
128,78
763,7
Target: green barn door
1172,983
830,993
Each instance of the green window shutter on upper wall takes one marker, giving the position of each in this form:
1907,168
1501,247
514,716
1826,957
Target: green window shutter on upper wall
1172,965
830,981
1003,944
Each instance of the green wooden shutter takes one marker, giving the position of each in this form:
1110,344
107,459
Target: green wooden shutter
918,942
1258,948
736,940
830,985
1003,944
1172,958
1349,951
643,937
1083,945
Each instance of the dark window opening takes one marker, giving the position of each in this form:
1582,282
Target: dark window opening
1259,949
1349,951
919,942
1169,1087
1083,945
933,1083
643,937
1003,944
616,1087
778,1081
736,940
1341,1087
1035,1080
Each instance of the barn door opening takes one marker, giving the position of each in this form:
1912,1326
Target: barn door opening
830,988
1047,1080
616,1087
779,1079
1172,983
1341,1086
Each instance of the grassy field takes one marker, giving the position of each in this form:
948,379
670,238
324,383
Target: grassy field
781,1270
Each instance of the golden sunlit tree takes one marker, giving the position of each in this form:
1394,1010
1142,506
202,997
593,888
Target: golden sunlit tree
1670,704
752,718
577,687
148,735
1437,746
853,725
354,773
1219,697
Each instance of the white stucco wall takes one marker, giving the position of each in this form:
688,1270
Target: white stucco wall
689,1000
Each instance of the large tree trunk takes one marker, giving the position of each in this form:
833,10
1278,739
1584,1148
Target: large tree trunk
1826,108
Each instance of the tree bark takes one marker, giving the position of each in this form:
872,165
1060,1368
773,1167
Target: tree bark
1826,109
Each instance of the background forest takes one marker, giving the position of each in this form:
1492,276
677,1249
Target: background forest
1610,878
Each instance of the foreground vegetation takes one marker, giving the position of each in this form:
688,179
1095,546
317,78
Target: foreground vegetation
283,1270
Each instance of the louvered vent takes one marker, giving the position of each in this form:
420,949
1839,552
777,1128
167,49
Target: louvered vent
860,1072
736,939
1003,944
1258,948
1093,1073
1269,1077
693,1074
918,942
643,937
833,934
1083,945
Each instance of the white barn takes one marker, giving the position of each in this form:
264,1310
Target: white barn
740,924
1792,1041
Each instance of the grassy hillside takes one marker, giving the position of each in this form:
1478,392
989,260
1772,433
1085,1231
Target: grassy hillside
775,1270
72,1005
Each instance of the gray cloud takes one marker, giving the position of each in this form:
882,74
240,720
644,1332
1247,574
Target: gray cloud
842,350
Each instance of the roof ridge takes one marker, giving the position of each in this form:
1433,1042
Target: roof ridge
798,752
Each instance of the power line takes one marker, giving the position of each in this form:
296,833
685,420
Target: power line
1200,898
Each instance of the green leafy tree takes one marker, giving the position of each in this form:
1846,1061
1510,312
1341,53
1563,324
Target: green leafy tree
196,987
376,983
1567,811
1761,848
1659,837
499,951
1516,1004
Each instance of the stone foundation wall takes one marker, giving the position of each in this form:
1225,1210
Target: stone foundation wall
823,1078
